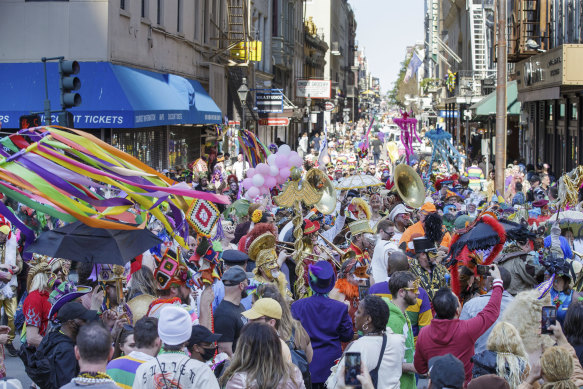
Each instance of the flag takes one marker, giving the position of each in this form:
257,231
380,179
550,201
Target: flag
324,158
413,66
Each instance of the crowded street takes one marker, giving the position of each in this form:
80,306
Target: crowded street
244,194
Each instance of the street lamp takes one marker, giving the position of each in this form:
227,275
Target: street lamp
309,106
243,91
467,115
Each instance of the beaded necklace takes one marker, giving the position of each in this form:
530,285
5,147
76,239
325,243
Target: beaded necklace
88,378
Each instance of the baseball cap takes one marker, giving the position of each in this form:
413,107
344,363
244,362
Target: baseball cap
267,307
429,208
446,371
202,334
74,310
235,275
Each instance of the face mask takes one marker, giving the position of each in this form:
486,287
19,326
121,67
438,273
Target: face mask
244,294
208,354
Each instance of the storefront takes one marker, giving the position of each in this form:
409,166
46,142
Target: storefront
158,118
550,86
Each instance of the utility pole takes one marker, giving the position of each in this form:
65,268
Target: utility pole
501,66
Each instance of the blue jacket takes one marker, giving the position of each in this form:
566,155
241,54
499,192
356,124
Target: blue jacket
564,246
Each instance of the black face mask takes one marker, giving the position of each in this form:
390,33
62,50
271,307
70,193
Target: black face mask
244,294
209,353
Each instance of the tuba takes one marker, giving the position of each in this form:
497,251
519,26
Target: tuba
408,185
321,183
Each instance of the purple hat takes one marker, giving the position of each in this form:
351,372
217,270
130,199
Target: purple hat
322,277
64,297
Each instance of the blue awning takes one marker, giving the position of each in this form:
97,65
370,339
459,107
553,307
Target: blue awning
113,96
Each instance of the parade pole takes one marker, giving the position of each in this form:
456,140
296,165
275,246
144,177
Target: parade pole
501,105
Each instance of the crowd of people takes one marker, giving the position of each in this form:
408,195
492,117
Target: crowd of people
448,293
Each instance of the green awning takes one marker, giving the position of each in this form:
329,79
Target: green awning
487,106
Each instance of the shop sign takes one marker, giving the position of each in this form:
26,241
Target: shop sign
449,114
280,122
269,101
314,89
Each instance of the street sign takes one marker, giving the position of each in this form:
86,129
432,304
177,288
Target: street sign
281,122
329,106
314,89
449,114
269,101
29,121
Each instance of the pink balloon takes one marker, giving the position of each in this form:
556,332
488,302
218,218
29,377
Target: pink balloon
271,160
247,183
253,192
263,190
281,161
274,171
293,153
263,169
296,160
250,172
269,182
284,173
258,180
280,180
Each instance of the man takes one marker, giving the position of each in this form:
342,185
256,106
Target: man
10,266
476,305
58,346
475,174
402,219
262,253
202,343
448,334
230,259
545,183
228,319
419,229
376,145
123,369
268,310
303,145
535,192
240,167
446,371
432,274
419,314
172,367
404,287
92,351
358,244
383,248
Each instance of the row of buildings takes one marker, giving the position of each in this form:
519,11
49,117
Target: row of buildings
545,82
160,78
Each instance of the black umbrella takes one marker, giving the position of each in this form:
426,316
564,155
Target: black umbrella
81,243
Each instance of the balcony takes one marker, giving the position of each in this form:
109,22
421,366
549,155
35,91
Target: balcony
280,52
469,83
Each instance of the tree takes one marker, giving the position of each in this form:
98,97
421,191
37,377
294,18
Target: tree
401,88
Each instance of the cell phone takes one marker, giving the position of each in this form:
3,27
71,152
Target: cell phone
549,318
363,291
352,369
483,270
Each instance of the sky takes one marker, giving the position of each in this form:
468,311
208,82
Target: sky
384,29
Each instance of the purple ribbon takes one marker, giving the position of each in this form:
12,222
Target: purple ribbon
28,233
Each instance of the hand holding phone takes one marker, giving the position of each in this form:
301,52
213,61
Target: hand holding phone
352,368
548,318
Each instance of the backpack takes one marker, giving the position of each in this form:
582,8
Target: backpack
300,359
36,364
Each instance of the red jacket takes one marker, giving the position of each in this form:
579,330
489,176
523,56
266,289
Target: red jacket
456,336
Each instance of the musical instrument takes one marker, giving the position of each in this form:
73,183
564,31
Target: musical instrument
344,255
408,185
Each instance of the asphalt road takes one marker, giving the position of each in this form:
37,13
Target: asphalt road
15,368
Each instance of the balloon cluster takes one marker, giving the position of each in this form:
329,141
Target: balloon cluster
276,171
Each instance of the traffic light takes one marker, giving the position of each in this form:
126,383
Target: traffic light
65,119
29,121
69,83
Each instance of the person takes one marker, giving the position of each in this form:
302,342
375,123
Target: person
476,305
124,341
58,346
404,287
202,344
446,371
558,244
262,252
147,345
519,198
258,362
172,367
505,356
432,274
488,381
376,205
92,351
378,343
383,248
231,258
325,335
556,368
573,327
142,283
535,192
303,145
267,310
448,334
10,266
402,219
240,167
418,229
376,145
228,319
358,244
419,314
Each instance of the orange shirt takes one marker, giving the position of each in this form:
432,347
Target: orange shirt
417,230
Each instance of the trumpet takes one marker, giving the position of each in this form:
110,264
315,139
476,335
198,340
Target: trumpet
344,255
287,246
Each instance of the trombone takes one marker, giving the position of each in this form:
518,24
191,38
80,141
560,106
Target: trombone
289,247
344,255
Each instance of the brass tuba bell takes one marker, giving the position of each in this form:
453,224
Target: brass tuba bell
408,186
321,183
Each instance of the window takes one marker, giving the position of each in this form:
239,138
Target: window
179,16
144,12
562,111
205,18
574,111
550,111
196,19
160,13
122,4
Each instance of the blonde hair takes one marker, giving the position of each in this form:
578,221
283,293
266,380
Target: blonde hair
511,356
287,324
524,313
557,367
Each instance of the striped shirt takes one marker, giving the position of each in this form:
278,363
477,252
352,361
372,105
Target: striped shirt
123,369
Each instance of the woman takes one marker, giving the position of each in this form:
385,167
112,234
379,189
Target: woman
124,342
288,326
504,356
381,350
574,328
556,369
258,362
142,282
376,204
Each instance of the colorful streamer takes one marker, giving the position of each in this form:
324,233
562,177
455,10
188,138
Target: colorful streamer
255,152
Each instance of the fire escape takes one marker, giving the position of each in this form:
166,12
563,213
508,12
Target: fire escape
530,27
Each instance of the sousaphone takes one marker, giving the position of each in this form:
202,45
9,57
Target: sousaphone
409,186
318,180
